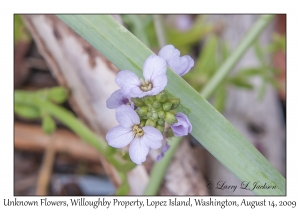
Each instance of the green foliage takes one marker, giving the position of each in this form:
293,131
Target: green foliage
20,32
48,124
27,112
278,44
30,104
58,94
183,40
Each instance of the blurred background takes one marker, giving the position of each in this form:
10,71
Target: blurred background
47,53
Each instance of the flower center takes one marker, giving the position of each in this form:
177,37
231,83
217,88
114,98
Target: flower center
137,130
146,85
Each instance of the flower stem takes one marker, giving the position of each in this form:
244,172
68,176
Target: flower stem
160,168
243,46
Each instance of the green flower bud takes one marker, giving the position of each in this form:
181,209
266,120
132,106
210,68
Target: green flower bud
142,111
149,114
58,94
170,118
27,112
148,100
138,102
160,128
48,124
143,122
156,104
154,116
150,122
167,106
161,97
160,122
175,102
161,114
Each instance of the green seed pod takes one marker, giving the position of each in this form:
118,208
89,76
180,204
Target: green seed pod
160,128
160,122
156,104
143,122
138,102
175,102
58,95
142,111
27,112
161,114
170,118
48,124
148,100
161,97
167,106
150,122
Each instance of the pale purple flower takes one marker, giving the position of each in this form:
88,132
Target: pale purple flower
117,99
181,65
165,148
155,79
141,139
183,126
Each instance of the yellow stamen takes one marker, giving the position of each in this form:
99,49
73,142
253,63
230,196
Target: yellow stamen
138,131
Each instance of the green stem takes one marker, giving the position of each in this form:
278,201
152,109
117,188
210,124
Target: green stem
253,33
159,30
160,168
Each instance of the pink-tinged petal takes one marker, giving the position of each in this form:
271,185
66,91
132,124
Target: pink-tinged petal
152,137
180,65
126,80
127,117
183,126
168,52
116,99
138,151
119,136
159,84
153,67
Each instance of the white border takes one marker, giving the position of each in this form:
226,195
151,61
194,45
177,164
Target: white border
6,73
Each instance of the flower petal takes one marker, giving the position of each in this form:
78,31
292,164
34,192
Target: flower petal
183,126
116,99
136,92
127,117
180,65
168,52
159,84
152,137
126,80
191,62
138,151
119,136
153,67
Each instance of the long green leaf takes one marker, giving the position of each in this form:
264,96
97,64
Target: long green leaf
210,128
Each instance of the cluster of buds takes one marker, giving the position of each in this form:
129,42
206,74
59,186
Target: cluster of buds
156,110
